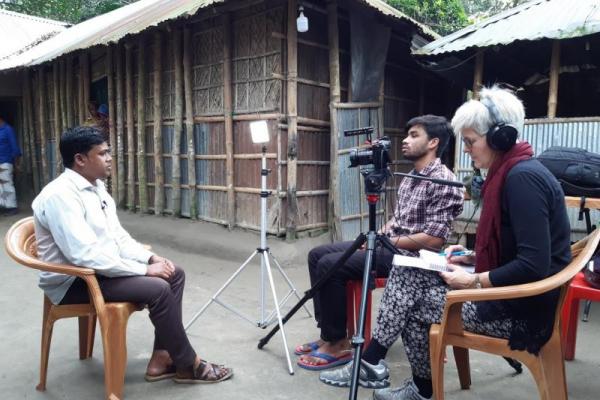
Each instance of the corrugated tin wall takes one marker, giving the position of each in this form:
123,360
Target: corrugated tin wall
541,134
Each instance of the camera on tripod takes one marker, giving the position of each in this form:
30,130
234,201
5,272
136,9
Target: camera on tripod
373,160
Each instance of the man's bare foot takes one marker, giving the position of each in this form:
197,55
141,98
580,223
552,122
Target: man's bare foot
160,366
203,372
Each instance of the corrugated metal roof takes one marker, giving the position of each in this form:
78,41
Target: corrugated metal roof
136,17
107,28
537,19
24,31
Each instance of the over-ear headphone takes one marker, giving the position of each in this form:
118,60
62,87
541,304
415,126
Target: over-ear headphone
501,136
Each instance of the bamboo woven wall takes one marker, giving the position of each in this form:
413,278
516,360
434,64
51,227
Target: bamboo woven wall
182,95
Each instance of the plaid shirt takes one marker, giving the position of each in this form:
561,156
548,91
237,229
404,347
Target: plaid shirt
427,207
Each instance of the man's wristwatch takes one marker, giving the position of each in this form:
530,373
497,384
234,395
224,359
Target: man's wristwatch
477,282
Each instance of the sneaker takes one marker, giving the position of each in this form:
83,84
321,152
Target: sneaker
370,376
408,391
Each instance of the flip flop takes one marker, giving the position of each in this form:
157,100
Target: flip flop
314,346
332,361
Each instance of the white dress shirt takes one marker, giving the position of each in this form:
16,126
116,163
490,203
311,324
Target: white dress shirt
76,223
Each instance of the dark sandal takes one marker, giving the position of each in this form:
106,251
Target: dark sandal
168,373
206,373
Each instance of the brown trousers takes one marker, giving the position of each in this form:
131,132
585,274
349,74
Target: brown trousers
163,299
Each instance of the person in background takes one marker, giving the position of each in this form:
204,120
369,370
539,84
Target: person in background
10,156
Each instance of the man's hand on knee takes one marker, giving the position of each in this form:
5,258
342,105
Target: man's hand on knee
161,269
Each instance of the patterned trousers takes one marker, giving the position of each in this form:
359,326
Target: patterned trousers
413,300
8,195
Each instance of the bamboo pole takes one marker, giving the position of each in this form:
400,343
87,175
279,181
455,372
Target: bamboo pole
80,95
70,105
292,121
189,118
228,113
31,131
381,106
112,134
86,83
157,127
56,114
63,95
141,126
130,128
120,128
478,73
25,125
178,124
42,119
334,221
553,86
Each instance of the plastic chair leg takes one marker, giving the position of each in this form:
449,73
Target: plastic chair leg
437,368
113,325
87,332
553,369
47,325
461,357
570,316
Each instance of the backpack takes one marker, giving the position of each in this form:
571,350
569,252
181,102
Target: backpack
591,272
577,170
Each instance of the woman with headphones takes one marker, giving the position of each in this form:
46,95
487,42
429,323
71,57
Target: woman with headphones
523,236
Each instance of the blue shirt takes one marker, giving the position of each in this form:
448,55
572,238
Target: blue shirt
9,148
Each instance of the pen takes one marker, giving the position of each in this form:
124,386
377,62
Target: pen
458,253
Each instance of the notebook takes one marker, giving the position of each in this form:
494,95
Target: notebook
426,260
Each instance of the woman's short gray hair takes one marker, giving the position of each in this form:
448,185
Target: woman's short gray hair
475,115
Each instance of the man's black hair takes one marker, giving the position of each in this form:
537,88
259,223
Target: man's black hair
436,127
78,140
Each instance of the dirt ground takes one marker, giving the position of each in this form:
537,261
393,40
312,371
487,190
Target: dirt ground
210,254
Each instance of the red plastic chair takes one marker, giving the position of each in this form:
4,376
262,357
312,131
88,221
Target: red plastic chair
353,294
578,290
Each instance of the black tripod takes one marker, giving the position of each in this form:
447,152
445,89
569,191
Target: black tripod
374,182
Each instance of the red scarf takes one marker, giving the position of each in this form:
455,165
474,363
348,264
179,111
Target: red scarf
487,242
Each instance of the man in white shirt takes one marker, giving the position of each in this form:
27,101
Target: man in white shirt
76,223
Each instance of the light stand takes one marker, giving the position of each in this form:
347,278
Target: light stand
265,268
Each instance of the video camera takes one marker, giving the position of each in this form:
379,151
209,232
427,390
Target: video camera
373,160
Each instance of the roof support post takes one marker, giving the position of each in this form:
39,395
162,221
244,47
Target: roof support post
189,119
178,122
157,125
130,127
228,115
141,125
334,221
478,73
119,85
292,121
112,133
553,86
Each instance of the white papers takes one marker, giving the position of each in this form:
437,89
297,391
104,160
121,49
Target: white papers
426,260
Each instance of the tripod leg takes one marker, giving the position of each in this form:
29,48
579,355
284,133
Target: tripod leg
218,292
309,294
289,282
358,339
285,346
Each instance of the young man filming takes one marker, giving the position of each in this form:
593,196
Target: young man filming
422,220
